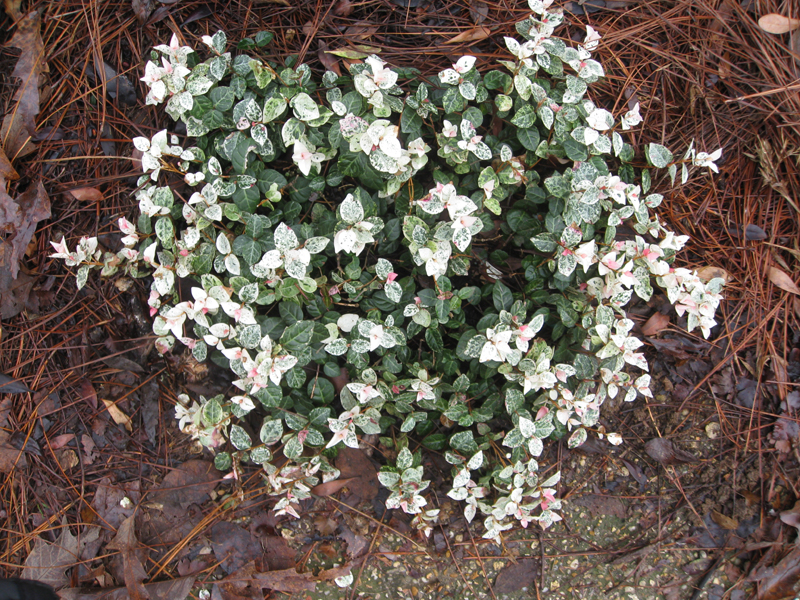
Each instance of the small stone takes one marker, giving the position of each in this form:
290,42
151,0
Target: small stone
713,430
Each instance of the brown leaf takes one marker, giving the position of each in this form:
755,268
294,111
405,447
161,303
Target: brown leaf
334,573
471,35
14,293
61,440
162,590
19,218
191,483
142,9
88,393
9,385
125,541
360,31
356,465
86,194
781,581
10,456
599,504
107,501
667,453
708,273
655,324
233,546
356,544
19,125
724,521
478,11
792,517
123,364
782,280
777,24
330,487
277,553
325,525
120,418
328,61
513,577
286,580
343,8
636,472
47,562
6,170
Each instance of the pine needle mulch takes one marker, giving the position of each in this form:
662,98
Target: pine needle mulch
701,70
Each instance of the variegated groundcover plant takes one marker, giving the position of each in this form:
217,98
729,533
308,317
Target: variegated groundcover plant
367,224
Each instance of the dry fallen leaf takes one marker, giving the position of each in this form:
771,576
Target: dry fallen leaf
706,274
125,541
792,517
724,521
471,35
88,393
6,170
777,24
162,590
19,218
19,125
120,418
655,324
343,8
47,562
88,194
515,576
667,453
61,440
782,280
9,456
330,487
142,9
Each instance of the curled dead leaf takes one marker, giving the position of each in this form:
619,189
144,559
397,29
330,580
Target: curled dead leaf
87,194
708,273
655,324
724,521
330,487
471,35
667,453
120,418
19,124
777,24
783,281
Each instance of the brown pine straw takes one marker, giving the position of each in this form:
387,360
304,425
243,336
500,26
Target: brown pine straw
701,70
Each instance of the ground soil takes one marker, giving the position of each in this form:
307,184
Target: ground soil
99,490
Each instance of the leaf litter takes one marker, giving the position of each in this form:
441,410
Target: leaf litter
683,350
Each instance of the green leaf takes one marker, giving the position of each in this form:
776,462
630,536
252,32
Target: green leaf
658,155
273,108
453,102
223,461
297,336
529,138
293,448
248,249
271,431
165,231
525,117
502,297
212,412
577,438
239,438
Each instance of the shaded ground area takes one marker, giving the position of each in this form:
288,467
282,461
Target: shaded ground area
99,489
